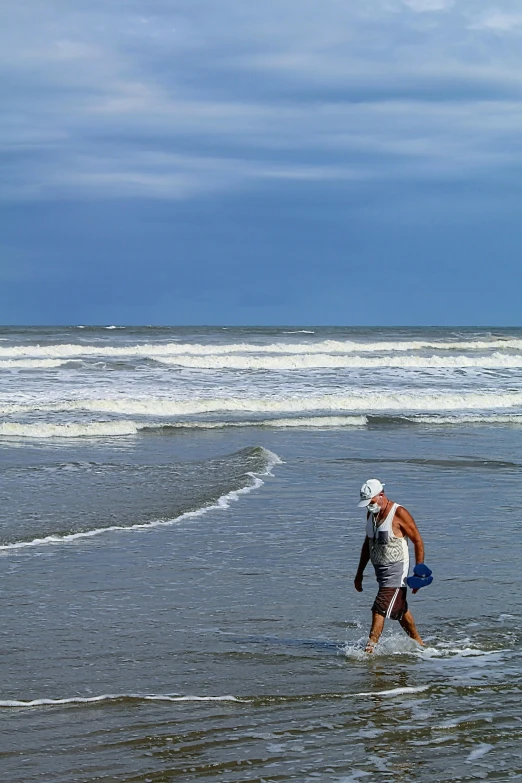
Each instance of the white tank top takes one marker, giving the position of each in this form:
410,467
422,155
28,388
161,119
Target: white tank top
389,554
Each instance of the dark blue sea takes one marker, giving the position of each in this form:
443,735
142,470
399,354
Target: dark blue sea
179,536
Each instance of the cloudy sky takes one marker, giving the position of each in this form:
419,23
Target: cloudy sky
261,162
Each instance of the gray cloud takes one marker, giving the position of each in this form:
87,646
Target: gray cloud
497,21
426,6
175,100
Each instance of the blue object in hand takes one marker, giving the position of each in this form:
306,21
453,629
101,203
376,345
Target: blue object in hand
422,577
422,570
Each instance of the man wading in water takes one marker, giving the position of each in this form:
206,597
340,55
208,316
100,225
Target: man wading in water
388,528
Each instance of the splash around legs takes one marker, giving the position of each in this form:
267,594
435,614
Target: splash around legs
406,621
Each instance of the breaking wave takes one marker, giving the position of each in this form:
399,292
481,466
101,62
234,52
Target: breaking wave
256,462
363,402
329,361
30,364
111,429
95,429
69,350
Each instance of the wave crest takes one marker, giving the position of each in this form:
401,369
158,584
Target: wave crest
70,350
253,463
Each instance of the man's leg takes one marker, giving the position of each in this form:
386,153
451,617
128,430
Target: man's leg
408,623
375,631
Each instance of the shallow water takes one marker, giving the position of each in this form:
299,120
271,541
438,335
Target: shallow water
222,639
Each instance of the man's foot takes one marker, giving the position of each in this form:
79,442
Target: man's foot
370,646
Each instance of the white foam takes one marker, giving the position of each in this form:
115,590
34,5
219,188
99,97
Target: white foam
374,401
299,421
455,652
392,644
197,349
110,697
365,401
222,502
514,418
396,691
433,406
479,751
328,361
272,460
110,429
98,429
30,364
316,421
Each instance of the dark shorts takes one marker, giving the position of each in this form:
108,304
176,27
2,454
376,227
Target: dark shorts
391,602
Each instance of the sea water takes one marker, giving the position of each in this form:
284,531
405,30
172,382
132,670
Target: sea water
179,536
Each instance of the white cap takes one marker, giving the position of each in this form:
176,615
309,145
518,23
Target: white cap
369,490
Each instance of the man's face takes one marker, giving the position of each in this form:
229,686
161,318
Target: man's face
378,500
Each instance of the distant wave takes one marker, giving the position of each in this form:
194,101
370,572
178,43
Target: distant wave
326,361
127,427
110,429
467,419
362,403
70,350
298,421
95,429
286,362
30,364
254,480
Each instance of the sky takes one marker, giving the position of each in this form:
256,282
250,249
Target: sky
261,162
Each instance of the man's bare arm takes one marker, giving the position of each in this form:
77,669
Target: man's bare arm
363,562
409,528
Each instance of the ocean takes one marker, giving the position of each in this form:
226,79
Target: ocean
179,536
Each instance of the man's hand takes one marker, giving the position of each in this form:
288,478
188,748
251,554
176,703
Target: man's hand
422,577
358,583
